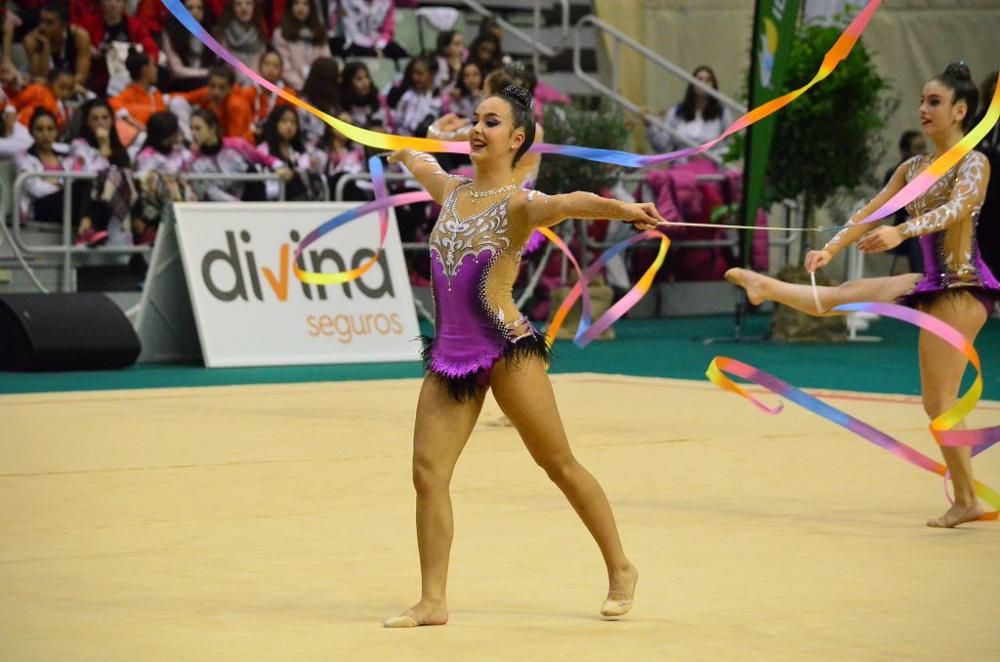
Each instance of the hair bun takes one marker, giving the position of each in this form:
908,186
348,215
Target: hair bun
958,71
519,94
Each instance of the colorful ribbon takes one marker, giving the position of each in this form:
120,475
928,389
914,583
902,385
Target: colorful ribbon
941,427
840,50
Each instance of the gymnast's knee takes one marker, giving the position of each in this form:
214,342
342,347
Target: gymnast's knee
429,477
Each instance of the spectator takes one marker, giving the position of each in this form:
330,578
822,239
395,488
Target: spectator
50,95
283,139
320,90
57,44
697,119
341,157
468,91
243,33
109,26
44,197
450,54
97,148
216,154
188,60
262,100
368,28
419,104
155,16
300,39
226,100
157,169
141,99
360,99
487,52
14,136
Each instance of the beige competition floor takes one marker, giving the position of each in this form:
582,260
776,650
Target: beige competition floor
275,523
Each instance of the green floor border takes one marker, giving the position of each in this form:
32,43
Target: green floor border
651,348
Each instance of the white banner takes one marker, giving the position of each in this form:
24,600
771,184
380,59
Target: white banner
251,309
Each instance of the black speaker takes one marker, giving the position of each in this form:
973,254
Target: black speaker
78,331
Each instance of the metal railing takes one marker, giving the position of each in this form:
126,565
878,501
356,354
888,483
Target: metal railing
650,56
68,249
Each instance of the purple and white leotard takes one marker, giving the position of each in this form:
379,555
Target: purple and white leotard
474,261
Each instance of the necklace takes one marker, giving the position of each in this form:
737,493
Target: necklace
476,195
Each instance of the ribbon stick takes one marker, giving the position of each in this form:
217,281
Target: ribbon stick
941,427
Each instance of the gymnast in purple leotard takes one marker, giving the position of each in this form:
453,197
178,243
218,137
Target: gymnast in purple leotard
483,342
957,286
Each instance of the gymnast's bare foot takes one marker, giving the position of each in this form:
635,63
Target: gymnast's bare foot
957,514
422,613
621,592
754,283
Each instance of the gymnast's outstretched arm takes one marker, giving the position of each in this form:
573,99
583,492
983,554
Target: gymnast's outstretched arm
539,210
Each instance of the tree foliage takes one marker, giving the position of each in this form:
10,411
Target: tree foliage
577,125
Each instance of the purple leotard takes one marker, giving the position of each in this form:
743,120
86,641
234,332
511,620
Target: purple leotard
474,260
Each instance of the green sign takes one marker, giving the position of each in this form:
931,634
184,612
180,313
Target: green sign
774,29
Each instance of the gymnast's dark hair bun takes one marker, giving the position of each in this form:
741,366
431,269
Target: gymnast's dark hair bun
958,71
958,77
518,94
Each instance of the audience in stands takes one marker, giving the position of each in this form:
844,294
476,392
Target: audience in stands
301,40
697,119
243,33
158,167
98,148
188,60
340,157
137,102
56,44
463,99
43,199
216,154
112,35
262,100
368,28
282,138
419,103
222,96
450,55
51,95
360,99
320,90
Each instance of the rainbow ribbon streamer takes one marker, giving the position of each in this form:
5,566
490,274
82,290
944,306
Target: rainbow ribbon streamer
587,332
941,427
840,50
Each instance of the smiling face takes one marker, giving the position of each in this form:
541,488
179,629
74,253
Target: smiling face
493,137
938,113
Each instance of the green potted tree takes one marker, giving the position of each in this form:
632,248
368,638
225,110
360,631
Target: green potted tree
827,143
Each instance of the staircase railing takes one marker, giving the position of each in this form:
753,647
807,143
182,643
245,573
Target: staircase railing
619,38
